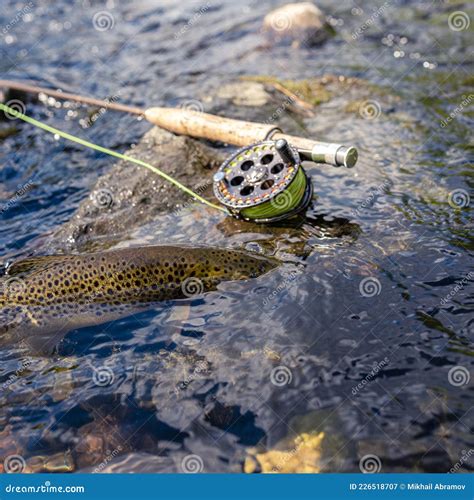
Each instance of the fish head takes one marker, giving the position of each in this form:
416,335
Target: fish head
236,265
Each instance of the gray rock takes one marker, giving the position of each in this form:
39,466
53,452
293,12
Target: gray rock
301,24
130,195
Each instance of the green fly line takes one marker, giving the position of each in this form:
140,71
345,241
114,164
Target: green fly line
12,112
283,203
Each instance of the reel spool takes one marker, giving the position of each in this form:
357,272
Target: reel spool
263,183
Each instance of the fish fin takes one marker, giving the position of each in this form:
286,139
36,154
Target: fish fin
31,264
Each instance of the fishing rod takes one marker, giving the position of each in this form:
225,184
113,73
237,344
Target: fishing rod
263,181
207,126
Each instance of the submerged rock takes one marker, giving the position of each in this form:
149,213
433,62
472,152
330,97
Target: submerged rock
299,455
300,24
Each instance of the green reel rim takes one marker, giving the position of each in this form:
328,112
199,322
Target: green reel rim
272,188
285,204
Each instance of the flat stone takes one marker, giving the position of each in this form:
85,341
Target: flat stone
301,24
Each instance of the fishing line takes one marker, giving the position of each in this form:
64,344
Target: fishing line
282,204
12,112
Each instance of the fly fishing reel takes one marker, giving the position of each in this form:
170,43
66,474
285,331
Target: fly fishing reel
263,183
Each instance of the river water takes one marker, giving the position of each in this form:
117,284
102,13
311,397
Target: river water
364,334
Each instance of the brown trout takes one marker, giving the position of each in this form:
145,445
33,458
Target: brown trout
44,296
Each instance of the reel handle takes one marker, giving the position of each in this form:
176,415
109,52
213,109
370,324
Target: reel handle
244,133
